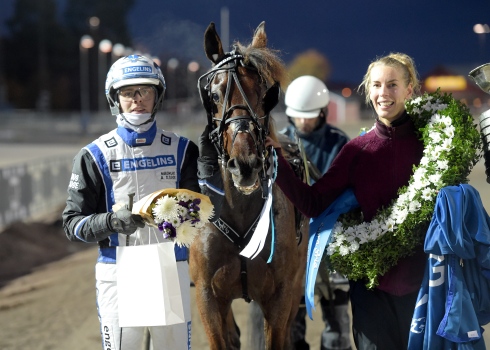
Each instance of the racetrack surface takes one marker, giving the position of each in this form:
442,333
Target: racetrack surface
53,308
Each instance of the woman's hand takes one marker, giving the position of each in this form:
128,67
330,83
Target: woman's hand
269,142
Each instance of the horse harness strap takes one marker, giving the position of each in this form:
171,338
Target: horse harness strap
232,235
240,242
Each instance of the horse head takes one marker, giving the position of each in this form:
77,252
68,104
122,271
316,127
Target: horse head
238,94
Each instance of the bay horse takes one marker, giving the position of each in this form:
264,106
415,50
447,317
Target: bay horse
238,93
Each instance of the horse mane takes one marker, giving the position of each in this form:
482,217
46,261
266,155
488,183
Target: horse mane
269,66
267,62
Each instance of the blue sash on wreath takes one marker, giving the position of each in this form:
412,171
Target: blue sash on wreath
320,234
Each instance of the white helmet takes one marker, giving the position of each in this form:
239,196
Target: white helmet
305,97
133,70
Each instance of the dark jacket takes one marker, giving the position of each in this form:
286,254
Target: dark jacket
321,145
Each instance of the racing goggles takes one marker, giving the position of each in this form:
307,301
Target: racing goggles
128,94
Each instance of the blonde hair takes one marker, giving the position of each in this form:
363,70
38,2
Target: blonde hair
395,60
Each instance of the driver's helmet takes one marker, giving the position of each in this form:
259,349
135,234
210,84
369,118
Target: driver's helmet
305,97
133,70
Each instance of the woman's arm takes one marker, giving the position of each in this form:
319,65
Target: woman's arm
310,200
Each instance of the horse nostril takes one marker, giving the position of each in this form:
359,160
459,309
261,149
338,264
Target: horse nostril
232,167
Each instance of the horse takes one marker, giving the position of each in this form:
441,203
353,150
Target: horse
238,93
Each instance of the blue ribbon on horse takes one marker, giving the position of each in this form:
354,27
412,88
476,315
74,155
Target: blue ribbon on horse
320,234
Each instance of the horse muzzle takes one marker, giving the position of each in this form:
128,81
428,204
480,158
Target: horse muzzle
245,173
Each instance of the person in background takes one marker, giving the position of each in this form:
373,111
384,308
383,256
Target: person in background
374,166
307,99
136,157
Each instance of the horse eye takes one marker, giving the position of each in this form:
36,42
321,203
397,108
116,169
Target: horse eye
215,97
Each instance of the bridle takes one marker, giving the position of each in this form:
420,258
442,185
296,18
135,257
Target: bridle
256,126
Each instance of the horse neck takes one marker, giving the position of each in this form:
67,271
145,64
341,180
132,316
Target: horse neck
240,211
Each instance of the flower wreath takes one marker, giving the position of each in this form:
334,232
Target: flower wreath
452,146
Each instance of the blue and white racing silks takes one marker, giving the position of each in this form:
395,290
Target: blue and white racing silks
140,169
454,299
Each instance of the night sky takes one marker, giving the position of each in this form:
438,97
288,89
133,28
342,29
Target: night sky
349,33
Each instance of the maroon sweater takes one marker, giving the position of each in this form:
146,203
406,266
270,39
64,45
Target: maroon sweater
375,166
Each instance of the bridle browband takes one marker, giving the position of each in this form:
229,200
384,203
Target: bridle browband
249,123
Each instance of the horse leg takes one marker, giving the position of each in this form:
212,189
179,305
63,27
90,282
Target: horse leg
217,320
277,325
233,331
279,313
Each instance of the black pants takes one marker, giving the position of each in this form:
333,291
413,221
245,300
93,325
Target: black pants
380,321
332,334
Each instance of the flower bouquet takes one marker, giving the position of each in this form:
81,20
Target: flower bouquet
178,213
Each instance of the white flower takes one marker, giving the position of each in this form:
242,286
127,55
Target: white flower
436,153
436,118
416,100
435,178
354,246
185,234
165,208
183,196
175,221
206,211
447,121
435,136
428,107
449,131
400,215
412,193
389,225
343,250
182,211
414,206
424,161
340,238
447,144
442,164
427,193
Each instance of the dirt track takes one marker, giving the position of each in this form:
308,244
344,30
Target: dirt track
54,308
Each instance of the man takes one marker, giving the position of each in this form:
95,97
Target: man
307,99
137,158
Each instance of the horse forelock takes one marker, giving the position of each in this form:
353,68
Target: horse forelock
267,62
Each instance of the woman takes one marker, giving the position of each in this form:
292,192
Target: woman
374,166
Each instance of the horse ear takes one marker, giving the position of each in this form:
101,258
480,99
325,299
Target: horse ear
260,38
212,44
271,98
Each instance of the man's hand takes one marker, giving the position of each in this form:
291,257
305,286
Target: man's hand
207,163
206,148
124,221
